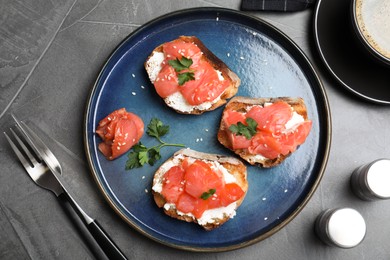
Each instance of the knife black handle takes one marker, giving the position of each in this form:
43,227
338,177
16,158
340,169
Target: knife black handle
105,242
110,249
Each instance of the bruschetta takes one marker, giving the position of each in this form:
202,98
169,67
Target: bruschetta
189,77
199,187
264,131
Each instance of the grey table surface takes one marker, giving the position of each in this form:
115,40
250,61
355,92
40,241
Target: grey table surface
51,52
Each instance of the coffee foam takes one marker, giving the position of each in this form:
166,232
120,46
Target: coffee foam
373,17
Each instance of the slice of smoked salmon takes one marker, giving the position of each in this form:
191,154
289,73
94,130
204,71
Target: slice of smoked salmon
302,131
200,178
179,48
230,194
239,141
206,87
231,117
271,118
186,203
166,82
200,207
173,184
265,144
126,135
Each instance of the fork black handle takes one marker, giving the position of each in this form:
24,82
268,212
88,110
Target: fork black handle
107,245
105,242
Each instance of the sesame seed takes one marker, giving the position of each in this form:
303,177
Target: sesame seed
285,190
167,182
228,54
109,118
143,177
217,19
254,33
133,75
197,140
118,148
133,93
180,189
174,46
146,191
241,58
265,218
201,139
134,140
206,130
264,198
142,87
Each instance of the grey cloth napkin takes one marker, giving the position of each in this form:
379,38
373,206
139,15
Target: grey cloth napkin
276,5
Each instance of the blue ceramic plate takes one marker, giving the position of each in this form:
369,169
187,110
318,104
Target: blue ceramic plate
269,65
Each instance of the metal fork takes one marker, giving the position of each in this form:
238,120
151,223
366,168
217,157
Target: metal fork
41,164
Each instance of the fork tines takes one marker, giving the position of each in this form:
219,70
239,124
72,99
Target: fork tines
21,150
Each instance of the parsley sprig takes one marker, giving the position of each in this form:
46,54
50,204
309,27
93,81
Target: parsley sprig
248,130
141,154
180,65
207,194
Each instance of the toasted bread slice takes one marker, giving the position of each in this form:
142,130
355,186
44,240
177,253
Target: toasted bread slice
154,64
243,105
233,171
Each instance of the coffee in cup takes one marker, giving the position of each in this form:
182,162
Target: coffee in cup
371,22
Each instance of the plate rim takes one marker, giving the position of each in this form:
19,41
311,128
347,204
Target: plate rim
330,69
325,108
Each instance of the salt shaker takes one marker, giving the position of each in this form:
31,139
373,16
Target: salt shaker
341,227
372,181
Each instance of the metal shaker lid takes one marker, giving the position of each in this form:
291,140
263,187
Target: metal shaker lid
346,227
378,178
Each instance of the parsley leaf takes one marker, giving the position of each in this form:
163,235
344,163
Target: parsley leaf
181,64
207,194
154,155
141,155
156,128
248,130
133,161
184,77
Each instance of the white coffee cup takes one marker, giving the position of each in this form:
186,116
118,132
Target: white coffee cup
371,24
